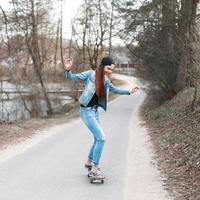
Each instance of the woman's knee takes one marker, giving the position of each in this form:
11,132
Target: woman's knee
101,139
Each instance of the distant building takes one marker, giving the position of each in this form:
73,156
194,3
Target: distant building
122,60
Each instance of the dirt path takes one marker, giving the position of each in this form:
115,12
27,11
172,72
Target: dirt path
144,181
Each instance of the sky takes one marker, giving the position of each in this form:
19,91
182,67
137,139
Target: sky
70,8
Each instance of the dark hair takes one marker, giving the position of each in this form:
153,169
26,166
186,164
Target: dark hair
99,81
100,77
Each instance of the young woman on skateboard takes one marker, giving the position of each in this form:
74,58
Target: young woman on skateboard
95,95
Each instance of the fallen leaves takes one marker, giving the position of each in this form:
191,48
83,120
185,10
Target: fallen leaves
175,135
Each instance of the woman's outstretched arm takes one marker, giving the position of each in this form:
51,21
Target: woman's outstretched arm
116,90
76,77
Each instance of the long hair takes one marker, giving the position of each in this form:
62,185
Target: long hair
99,81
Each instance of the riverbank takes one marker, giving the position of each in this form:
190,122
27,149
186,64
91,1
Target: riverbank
15,132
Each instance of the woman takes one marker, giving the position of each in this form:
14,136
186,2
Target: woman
95,94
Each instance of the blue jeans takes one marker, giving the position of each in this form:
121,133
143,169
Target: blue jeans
90,116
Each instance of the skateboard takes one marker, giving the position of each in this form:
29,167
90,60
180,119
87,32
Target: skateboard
95,179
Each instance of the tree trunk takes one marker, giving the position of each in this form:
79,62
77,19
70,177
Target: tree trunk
85,31
169,31
61,41
56,45
111,28
186,24
35,54
6,24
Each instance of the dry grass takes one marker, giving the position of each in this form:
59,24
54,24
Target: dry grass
175,134
15,132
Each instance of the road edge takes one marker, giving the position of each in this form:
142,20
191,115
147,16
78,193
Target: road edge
143,181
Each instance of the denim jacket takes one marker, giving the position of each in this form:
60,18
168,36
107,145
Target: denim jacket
90,88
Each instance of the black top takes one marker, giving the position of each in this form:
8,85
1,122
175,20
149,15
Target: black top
93,101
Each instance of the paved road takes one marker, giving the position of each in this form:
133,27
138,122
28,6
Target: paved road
53,169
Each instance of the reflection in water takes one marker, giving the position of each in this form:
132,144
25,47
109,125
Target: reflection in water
13,108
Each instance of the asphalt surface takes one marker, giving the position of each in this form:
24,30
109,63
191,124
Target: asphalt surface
53,169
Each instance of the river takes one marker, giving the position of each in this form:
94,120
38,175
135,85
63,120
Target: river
13,108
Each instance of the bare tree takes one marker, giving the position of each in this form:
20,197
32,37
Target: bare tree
29,15
92,30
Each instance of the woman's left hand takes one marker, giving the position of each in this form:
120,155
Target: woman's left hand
135,89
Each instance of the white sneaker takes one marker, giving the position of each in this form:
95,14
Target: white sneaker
96,175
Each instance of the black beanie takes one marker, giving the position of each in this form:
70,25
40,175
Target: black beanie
107,61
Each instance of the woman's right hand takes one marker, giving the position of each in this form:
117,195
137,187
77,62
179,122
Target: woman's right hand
68,64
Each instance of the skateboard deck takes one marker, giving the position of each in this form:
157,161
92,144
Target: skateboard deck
96,180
